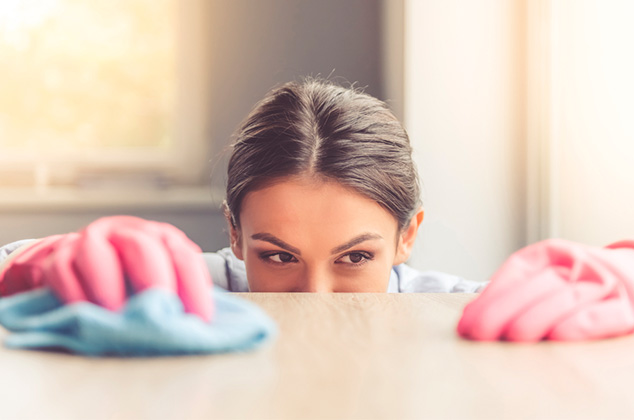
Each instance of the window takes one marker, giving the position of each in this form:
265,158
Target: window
99,87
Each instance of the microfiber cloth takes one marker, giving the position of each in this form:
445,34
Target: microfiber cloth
152,323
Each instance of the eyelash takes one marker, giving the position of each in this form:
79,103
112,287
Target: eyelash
366,256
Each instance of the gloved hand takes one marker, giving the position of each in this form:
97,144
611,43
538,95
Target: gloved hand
110,258
557,290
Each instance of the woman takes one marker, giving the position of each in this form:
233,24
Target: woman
318,168
322,196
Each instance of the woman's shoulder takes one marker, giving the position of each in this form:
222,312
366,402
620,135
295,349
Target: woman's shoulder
226,270
405,279
7,249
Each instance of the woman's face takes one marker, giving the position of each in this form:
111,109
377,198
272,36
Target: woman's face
303,235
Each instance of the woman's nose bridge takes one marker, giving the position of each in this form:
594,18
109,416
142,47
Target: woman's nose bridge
317,279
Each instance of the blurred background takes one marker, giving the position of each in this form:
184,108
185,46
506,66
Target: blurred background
520,111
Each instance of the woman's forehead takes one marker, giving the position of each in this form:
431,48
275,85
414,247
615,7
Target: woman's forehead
303,205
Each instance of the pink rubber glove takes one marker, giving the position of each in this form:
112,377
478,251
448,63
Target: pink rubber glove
95,263
556,290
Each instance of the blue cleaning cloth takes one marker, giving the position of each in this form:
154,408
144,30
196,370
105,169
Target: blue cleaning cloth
152,323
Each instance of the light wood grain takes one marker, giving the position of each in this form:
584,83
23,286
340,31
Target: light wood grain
337,356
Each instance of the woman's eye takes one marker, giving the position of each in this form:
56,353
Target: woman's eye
355,258
279,257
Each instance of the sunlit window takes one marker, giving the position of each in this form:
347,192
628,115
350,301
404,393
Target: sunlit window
88,78
78,74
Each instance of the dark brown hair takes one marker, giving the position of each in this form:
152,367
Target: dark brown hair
314,127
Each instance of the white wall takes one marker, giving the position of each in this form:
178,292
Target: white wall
464,96
592,120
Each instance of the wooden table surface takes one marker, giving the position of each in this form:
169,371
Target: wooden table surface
337,356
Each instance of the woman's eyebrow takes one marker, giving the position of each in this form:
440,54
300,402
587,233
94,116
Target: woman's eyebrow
267,237
354,241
